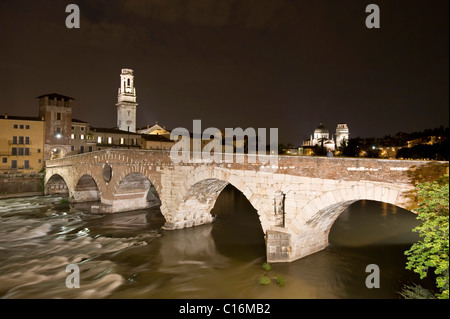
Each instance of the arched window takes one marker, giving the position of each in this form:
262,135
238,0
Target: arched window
128,82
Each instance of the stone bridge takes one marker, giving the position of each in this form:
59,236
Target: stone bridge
297,201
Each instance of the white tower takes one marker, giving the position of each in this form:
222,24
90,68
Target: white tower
126,102
342,133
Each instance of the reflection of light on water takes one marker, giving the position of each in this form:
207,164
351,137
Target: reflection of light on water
83,232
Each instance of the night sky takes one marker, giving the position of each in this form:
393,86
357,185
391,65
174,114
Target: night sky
249,63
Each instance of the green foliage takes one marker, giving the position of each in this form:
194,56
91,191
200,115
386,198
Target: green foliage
266,266
264,280
280,280
431,252
416,292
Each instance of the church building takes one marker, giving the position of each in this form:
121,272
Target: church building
322,136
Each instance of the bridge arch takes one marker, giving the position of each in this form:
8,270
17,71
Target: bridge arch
133,189
86,189
201,192
330,204
56,184
312,224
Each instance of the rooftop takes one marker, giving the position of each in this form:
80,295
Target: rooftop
23,118
155,138
111,130
57,96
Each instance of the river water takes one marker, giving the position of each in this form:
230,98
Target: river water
127,255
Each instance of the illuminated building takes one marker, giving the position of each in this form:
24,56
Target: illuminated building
21,144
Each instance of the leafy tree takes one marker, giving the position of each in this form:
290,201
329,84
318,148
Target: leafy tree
431,252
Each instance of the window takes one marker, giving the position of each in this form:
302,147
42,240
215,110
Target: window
39,161
99,139
81,149
73,128
13,164
128,82
90,148
27,151
21,139
14,139
26,164
72,148
58,129
122,141
82,128
58,116
72,136
5,160
15,126
27,127
14,151
82,137
110,140
21,126
27,140
39,150
20,149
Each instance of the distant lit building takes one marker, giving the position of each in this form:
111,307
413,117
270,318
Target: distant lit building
21,144
154,130
321,136
81,138
342,135
156,142
106,138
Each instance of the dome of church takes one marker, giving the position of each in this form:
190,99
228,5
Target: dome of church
321,129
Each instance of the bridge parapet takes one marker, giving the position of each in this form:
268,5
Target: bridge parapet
335,168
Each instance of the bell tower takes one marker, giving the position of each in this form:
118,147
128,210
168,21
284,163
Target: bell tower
126,102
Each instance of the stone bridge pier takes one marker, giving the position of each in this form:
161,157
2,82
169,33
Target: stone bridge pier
297,201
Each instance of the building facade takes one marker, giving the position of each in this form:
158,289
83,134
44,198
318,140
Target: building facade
342,135
56,110
156,142
21,144
81,138
105,138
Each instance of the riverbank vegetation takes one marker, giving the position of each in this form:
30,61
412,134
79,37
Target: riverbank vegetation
430,254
